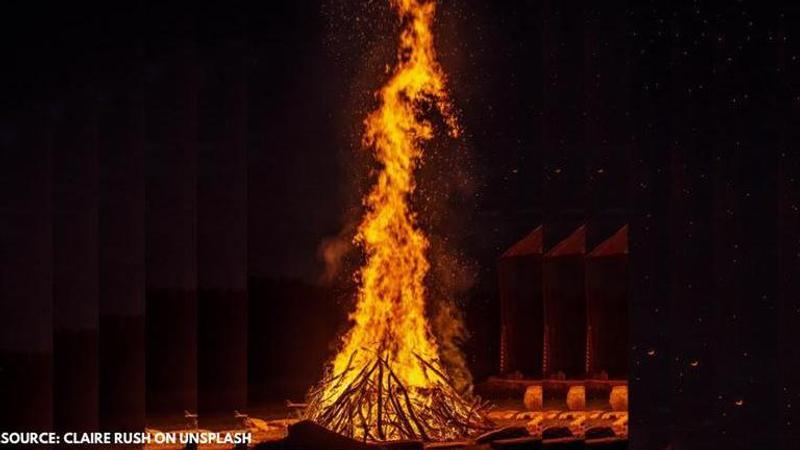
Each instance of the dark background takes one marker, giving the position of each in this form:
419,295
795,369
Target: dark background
170,170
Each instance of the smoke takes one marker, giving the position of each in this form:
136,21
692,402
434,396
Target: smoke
359,35
444,199
451,278
335,253
332,251
448,326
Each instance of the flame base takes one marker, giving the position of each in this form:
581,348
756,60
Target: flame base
377,406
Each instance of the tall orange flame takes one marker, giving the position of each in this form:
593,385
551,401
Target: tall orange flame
389,322
390,312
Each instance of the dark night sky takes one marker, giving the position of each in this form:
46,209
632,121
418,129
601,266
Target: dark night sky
157,148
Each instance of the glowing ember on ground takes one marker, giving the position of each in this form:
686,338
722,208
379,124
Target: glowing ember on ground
388,381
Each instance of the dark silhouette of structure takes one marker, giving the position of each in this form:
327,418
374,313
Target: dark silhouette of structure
565,312
522,332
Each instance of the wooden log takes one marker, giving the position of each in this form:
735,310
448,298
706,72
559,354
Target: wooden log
534,398
576,398
618,399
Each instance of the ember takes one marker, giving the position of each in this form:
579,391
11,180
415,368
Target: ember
388,381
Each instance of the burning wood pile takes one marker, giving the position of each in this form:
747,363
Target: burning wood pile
388,381
376,405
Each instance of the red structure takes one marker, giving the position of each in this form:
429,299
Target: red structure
564,312
607,291
565,308
522,331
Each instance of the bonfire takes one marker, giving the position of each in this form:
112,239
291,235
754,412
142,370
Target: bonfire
388,380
